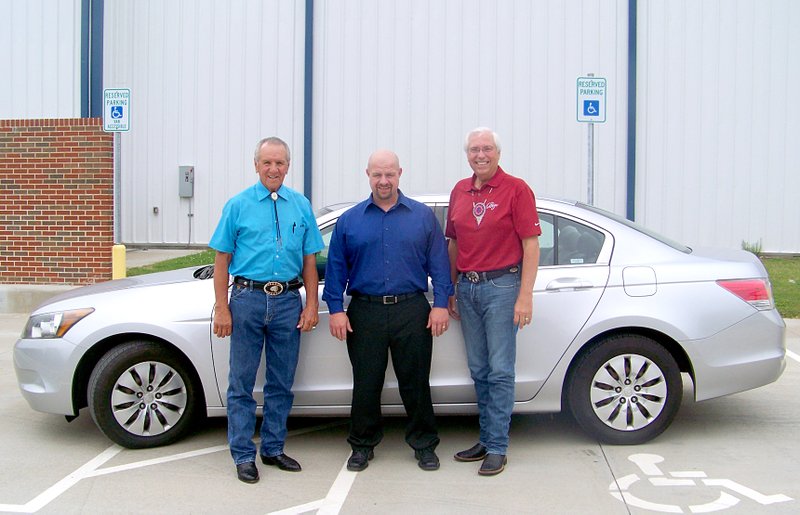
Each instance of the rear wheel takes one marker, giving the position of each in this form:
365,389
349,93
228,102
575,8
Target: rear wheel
142,395
625,390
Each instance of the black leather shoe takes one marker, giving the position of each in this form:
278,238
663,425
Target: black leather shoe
493,464
359,460
247,472
475,453
427,459
282,461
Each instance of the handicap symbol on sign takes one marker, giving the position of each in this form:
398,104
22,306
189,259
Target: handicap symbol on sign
648,464
591,108
116,112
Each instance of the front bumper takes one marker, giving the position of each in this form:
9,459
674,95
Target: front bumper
45,369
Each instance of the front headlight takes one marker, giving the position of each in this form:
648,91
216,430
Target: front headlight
53,325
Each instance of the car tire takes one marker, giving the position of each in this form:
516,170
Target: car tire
625,390
142,395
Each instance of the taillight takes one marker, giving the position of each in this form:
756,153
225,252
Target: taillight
756,292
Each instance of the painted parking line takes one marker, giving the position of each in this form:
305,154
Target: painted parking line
334,500
790,354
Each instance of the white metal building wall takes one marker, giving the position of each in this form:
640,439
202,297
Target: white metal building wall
415,76
208,79
716,154
40,58
717,144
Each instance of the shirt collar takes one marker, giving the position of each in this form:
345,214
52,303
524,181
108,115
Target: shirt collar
262,192
401,200
495,182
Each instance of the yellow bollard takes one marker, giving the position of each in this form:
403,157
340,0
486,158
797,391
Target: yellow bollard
118,268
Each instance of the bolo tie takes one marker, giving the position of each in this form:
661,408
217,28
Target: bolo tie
274,197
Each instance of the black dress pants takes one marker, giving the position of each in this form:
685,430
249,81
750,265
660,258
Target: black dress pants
377,329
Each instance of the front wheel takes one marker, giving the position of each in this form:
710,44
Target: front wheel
142,395
626,390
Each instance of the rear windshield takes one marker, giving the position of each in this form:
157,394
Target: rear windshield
666,241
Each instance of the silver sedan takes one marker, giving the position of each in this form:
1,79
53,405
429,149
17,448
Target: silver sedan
619,314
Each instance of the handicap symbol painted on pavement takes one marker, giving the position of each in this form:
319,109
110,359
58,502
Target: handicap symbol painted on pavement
116,112
647,463
591,108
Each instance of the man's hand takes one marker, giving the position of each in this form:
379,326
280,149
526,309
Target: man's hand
438,321
452,307
523,309
223,323
309,318
340,325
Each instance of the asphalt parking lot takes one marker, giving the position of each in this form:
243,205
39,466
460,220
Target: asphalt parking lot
737,454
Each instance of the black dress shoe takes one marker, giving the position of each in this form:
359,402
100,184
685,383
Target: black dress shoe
493,464
282,461
475,453
427,459
359,460
247,472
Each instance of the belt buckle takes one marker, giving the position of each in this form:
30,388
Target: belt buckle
472,276
273,288
390,299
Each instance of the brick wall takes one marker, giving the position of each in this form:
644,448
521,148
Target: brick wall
56,215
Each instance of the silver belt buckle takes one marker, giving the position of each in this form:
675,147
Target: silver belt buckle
473,276
273,288
390,299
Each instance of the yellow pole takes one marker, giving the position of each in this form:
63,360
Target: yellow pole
118,268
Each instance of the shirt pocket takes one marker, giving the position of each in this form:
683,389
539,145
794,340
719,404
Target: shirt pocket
295,235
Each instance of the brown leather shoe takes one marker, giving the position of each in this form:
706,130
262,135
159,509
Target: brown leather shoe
475,453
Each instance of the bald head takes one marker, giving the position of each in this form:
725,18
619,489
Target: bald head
383,158
383,171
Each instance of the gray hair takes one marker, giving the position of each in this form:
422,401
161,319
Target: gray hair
481,130
273,140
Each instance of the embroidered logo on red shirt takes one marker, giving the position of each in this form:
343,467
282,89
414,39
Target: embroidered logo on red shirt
479,209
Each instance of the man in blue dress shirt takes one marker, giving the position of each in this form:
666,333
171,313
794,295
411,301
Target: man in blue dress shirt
382,252
266,238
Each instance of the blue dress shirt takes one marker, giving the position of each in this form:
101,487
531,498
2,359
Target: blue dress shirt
377,252
263,247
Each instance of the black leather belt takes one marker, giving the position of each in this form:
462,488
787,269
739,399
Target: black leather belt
476,277
270,287
384,299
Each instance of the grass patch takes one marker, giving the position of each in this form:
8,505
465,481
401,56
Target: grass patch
784,274
202,258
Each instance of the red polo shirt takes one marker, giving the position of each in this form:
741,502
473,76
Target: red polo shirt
489,224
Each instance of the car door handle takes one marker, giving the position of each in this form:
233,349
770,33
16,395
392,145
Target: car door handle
568,283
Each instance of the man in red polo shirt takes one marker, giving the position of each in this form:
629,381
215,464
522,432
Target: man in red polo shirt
494,231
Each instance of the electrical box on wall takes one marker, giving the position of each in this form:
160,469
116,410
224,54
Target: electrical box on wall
186,181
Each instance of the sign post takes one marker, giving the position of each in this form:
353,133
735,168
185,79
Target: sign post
116,119
591,108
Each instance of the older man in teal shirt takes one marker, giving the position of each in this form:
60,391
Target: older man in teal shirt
267,238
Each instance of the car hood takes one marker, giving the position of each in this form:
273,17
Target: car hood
139,281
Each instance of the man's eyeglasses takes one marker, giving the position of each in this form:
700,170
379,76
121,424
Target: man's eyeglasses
476,150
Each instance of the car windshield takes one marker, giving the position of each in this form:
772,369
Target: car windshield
617,218
329,209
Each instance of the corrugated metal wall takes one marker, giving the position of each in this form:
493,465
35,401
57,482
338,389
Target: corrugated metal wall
718,136
208,79
716,154
40,57
416,76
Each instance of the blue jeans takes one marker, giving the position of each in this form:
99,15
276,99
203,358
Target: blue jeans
261,322
490,336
